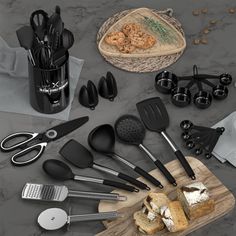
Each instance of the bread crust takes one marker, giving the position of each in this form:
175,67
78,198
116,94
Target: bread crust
173,217
195,200
146,226
154,201
197,210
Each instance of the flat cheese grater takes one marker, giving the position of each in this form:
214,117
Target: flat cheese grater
58,193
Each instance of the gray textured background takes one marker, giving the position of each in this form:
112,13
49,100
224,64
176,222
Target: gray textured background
84,18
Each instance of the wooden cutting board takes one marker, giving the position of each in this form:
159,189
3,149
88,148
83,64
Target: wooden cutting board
125,226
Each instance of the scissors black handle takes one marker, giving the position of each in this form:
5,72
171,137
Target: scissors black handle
38,21
23,145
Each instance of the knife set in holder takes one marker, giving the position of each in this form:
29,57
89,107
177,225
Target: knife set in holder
47,43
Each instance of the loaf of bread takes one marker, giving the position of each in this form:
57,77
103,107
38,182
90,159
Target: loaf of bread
173,216
148,220
195,200
152,204
147,226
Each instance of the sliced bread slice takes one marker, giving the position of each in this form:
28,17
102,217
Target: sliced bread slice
154,201
146,226
173,216
195,199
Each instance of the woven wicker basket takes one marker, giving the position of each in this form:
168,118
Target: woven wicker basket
146,63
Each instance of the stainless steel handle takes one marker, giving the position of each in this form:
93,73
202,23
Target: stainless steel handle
95,195
31,57
123,160
105,169
143,148
170,141
92,217
88,179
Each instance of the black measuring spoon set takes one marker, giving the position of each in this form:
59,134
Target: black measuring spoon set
181,95
199,138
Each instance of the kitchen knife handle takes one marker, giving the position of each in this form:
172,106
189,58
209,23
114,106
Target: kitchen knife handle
185,164
147,176
120,185
133,181
165,172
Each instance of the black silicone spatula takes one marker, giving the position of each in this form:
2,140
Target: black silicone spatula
61,171
102,139
155,117
130,130
81,157
25,37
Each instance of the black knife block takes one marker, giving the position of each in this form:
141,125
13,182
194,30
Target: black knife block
49,89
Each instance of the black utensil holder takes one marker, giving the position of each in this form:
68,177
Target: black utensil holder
49,88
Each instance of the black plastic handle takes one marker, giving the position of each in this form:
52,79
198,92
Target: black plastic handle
165,172
149,177
120,185
133,181
185,164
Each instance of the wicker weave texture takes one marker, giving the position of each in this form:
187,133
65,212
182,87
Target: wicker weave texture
147,64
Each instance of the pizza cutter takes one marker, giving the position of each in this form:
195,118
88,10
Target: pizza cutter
56,218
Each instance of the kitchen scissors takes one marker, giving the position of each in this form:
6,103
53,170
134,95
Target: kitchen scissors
37,141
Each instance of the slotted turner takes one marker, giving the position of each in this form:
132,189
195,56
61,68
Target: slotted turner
155,117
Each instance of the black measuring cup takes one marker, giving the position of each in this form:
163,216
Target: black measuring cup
165,81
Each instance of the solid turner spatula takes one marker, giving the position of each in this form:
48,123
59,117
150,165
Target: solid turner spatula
155,117
25,37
